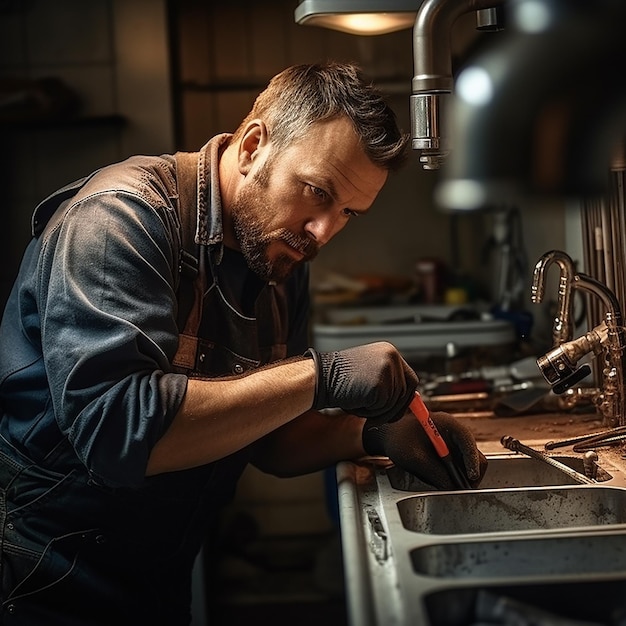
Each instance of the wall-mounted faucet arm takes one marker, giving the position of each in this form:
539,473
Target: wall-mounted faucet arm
432,55
432,74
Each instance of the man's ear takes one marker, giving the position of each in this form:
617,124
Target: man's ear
254,139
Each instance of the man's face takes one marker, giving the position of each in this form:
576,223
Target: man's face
295,201
252,220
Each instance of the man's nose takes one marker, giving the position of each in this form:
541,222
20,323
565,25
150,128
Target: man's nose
322,229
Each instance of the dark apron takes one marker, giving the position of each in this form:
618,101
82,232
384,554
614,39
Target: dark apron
75,553
217,339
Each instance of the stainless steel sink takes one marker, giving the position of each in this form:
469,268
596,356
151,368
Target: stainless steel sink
529,539
574,603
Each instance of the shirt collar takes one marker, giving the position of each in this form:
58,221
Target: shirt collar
209,228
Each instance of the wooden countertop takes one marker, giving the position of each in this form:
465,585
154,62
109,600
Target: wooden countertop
533,430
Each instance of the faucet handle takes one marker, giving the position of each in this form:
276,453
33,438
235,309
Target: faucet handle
569,381
558,366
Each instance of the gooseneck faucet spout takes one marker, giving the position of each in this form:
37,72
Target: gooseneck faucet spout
432,76
562,327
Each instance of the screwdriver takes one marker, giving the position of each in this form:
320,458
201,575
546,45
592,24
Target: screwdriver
422,413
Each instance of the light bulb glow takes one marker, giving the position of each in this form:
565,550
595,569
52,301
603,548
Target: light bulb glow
533,16
474,86
359,17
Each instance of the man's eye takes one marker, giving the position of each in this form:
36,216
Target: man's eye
350,213
317,191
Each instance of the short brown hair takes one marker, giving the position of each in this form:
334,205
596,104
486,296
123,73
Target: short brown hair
304,94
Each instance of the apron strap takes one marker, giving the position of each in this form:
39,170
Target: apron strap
192,262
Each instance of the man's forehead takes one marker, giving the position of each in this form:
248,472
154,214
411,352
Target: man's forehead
334,143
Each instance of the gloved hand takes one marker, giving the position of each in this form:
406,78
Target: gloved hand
372,381
407,445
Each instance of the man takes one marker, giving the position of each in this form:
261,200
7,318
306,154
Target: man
155,342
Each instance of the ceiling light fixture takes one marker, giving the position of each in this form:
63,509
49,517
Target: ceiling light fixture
358,17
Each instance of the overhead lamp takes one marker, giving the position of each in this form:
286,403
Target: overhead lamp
358,17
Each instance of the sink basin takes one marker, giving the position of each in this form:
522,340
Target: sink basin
590,602
510,510
509,471
573,555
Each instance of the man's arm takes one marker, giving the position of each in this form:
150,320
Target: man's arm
311,442
220,416
270,409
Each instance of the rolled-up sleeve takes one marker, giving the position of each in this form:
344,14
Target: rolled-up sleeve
108,331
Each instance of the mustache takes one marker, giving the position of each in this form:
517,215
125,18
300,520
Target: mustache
304,245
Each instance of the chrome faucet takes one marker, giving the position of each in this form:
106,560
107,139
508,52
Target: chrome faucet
432,71
560,365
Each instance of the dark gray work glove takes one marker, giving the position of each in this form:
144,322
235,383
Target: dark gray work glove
406,444
372,381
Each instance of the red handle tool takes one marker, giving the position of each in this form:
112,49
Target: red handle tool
422,413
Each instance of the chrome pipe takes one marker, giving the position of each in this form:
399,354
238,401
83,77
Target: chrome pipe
432,75
612,402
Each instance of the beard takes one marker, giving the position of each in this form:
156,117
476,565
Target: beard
251,212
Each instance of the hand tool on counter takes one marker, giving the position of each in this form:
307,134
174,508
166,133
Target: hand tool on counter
611,436
421,412
514,444
604,442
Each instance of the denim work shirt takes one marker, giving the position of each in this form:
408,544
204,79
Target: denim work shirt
87,387
90,328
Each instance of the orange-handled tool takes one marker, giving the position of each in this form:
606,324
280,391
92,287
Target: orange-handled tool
422,413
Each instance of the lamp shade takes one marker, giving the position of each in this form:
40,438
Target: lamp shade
358,17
